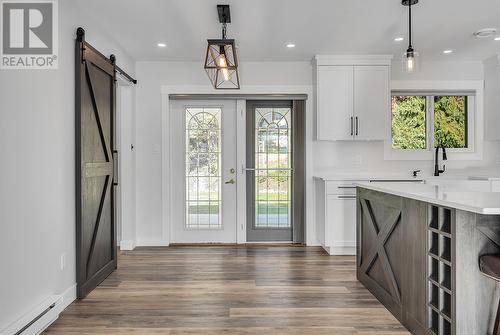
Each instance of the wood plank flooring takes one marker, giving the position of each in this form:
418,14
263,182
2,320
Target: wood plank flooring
187,290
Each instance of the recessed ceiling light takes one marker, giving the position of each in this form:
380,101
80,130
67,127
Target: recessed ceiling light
448,51
485,33
497,38
290,45
399,39
162,45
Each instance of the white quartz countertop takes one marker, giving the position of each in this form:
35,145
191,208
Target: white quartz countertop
487,203
358,176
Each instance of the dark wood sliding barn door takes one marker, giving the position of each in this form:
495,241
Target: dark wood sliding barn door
95,143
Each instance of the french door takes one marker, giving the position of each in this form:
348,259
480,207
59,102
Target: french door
203,189
269,170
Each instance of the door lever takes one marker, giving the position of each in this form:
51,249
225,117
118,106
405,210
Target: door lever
115,167
230,181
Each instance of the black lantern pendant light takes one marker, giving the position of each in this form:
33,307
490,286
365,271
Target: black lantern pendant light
221,62
410,57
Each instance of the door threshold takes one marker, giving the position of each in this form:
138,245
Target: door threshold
247,244
274,244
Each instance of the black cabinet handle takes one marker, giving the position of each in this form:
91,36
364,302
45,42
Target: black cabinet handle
357,126
351,126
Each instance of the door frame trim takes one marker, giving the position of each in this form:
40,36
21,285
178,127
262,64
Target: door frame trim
172,92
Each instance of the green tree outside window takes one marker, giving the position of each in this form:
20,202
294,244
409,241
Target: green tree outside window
408,127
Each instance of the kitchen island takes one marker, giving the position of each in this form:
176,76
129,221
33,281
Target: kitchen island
417,248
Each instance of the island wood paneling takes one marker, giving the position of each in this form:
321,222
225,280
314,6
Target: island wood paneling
391,237
413,285
462,301
230,290
379,262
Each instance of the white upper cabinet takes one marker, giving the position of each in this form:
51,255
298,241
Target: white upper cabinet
335,100
492,98
371,102
353,97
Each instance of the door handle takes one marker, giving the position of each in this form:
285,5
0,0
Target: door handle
230,181
357,123
245,169
115,167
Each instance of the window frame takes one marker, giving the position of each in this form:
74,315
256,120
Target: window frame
475,129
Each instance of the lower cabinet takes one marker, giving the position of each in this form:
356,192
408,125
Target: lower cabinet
341,230
336,216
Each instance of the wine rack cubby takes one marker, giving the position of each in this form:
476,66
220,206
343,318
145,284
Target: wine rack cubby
440,273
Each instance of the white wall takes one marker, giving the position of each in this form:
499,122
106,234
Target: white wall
151,76
328,156
37,179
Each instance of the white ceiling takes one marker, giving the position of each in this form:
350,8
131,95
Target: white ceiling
263,27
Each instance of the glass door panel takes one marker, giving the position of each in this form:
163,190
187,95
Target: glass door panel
203,172
273,168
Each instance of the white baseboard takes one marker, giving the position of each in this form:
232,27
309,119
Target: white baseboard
152,243
127,245
43,314
69,295
341,248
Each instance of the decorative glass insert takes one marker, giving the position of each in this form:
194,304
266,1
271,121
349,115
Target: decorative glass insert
408,125
203,168
450,121
273,173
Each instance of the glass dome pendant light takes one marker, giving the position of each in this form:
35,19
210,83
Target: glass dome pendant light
410,57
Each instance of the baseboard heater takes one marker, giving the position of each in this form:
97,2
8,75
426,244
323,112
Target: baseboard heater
38,319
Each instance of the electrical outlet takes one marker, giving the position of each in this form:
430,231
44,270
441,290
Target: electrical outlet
156,149
63,261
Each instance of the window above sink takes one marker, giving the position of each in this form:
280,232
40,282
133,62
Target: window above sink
425,115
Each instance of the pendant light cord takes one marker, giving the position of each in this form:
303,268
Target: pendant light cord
409,25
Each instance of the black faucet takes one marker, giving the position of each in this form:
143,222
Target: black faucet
438,171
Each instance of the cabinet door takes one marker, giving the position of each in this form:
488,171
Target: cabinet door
341,224
495,186
371,102
335,103
492,102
